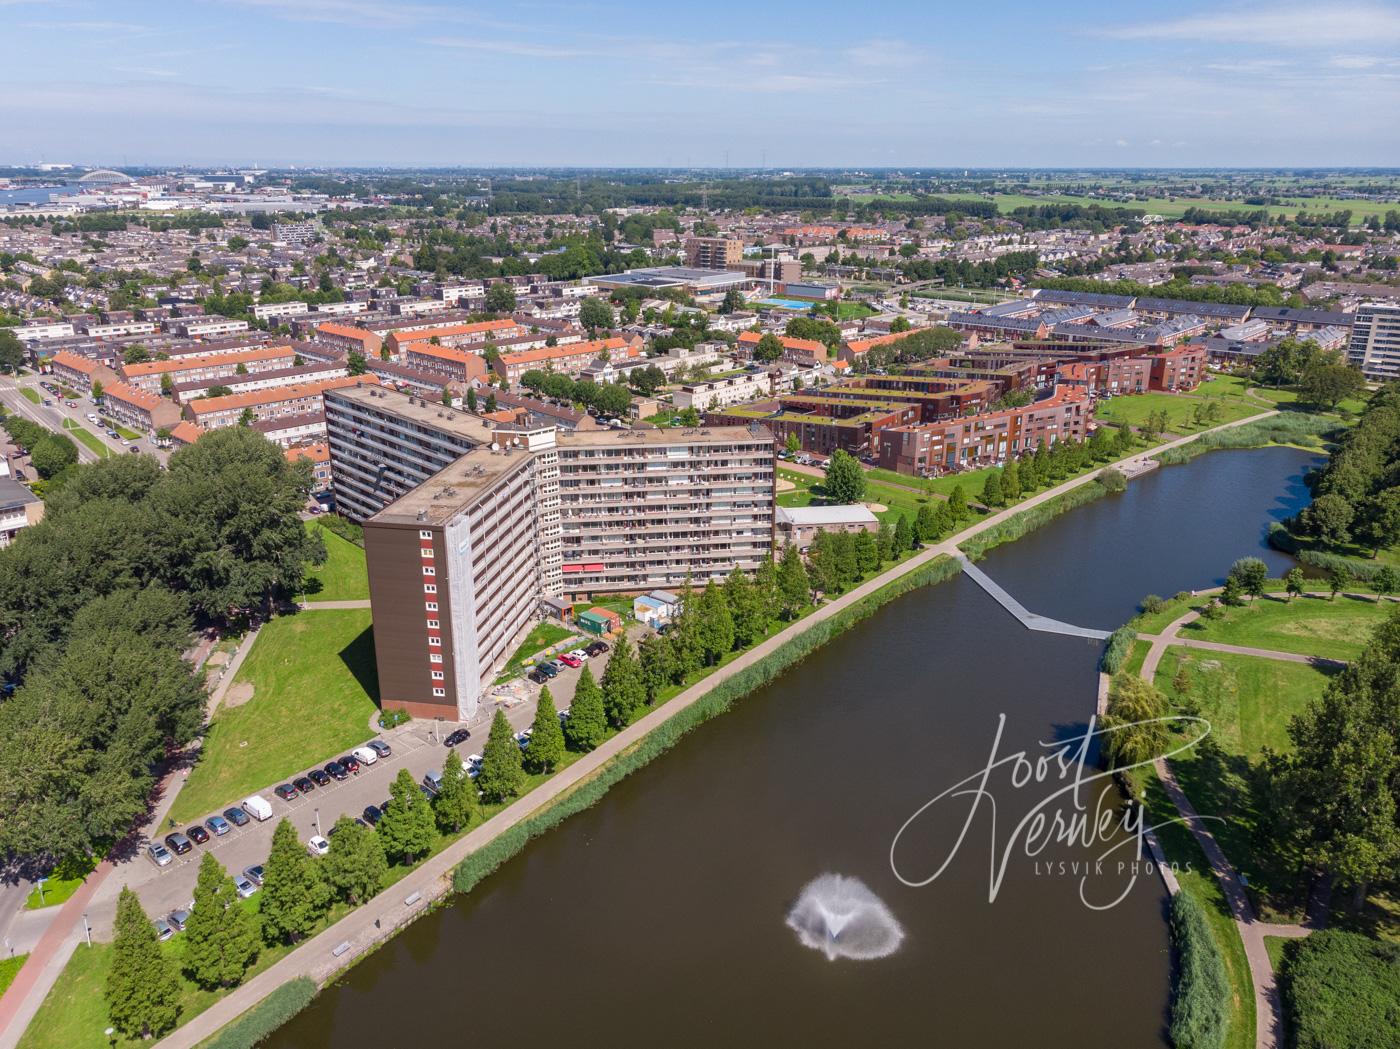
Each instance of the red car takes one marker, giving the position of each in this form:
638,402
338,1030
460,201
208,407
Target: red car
570,660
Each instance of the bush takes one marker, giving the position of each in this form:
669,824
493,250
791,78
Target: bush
1201,996
265,1017
1285,428
1351,566
1151,605
500,849
1280,538
1120,643
1342,989
1112,480
394,718
343,528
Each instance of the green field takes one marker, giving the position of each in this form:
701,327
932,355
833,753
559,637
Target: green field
343,577
85,436
1180,410
541,636
1174,208
895,500
1309,626
58,887
314,693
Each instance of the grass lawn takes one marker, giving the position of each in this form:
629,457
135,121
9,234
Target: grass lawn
314,693
56,890
9,969
343,577
1174,609
542,636
1275,945
1310,626
1135,408
895,500
30,394
1137,655
82,434
1248,702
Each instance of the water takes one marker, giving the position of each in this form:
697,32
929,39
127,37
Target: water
661,915
37,194
842,918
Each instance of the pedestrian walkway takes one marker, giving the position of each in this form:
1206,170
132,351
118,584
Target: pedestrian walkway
1028,619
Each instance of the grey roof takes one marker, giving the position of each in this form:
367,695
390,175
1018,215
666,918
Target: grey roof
1218,310
1084,298
1289,314
982,320
14,495
824,515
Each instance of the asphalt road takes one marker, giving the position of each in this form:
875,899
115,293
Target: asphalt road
53,415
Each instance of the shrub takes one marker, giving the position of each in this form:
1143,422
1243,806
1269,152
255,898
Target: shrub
394,718
1351,566
1342,989
265,1017
1151,605
1201,996
1284,428
1028,521
1112,480
343,528
1120,643
500,849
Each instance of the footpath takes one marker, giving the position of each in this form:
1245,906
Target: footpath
364,928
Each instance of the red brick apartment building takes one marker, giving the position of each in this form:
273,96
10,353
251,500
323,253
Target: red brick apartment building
452,364
569,360
140,409
147,374
798,351
984,440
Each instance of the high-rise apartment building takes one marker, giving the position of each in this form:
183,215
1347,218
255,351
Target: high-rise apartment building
1375,340
468,524
713,253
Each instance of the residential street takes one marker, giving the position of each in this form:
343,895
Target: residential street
54,414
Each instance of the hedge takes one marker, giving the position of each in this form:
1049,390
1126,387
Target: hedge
265,1017
343,528
1201,997
501,848
1284,428
1027,521
1342,989
1120,643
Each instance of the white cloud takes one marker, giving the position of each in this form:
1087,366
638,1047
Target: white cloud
882,53
518,48
1354,61
1320,25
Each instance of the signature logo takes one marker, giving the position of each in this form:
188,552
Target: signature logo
1073,810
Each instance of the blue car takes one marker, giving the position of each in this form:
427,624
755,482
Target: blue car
218,826
236,816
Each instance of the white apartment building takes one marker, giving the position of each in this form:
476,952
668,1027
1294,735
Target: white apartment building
1375,340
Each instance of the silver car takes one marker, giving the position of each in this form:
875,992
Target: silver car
159,854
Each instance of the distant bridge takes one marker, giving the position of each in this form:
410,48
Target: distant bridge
1028,619
106,177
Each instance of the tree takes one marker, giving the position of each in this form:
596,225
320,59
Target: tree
768,349
294,894
1231,593
903,535
792,445
1294,583
220,939
793,584
11,352
746,609
546,749
587,723
502,768
456,804
1329,517
624,694
716,627
53,454
1328,380
1011,479
992,491
867,553
355,867
1337,580
1385,582
142,989
884,542
957,504
595,314
733,301
355,363
491,402
1251,574
96,390
167,385
925,526
845,480
1132,731
658,664
406,828
500,297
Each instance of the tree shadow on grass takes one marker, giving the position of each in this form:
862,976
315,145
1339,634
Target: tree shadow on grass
358,657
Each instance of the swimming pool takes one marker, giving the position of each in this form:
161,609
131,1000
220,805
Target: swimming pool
786,304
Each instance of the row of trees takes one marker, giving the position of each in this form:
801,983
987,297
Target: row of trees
51,453
1356,496
1322,377
97,603
608,398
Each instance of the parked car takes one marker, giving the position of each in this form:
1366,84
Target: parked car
244,887
254,873
336,770
317,845
456,736
178,917
559,667
570,660
159,854
197,834
379,747
373,814
286,791
304,784
236,816
178,843
596,648
432,781
318,777
134,450
522,739
218,826
547,669
364,755
350,763
258,807
538,676
163,929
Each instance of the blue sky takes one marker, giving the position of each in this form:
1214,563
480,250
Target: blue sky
383,82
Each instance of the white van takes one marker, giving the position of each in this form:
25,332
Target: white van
258,807
365,756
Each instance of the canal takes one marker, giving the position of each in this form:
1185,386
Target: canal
657,917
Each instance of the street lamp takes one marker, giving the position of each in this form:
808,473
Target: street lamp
87,929
318,821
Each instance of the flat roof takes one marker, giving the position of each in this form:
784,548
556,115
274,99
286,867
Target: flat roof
820,515
454,488
420,410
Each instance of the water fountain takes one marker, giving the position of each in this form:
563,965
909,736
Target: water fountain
840,916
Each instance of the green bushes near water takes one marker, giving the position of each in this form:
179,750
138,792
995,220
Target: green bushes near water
1201,997
1120,643
1285,428
1342,989
500,849
1027,521
265,1017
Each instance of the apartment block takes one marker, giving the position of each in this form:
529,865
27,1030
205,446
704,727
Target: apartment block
570,359
214,412
139,409
1375,341
147,375
713,253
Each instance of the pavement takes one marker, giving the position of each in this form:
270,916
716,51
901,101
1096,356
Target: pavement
54,414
